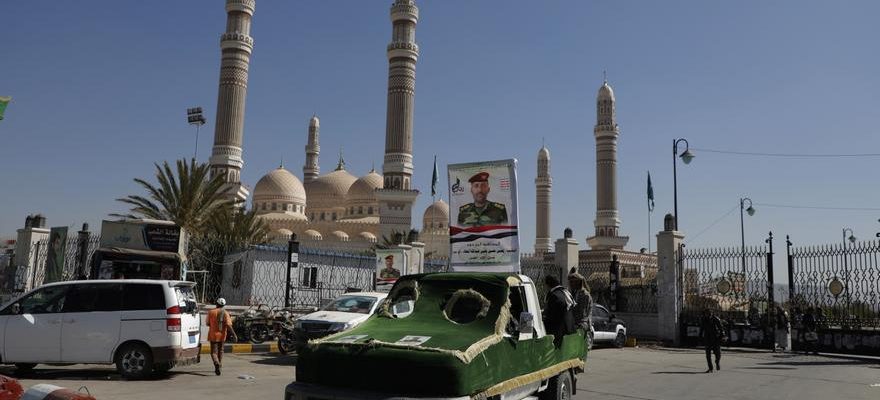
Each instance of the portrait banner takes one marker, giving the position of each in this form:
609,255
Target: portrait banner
391,264
483,220
56,254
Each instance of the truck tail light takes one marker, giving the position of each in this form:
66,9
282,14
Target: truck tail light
172,322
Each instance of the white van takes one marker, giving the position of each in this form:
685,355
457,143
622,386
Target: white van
140,325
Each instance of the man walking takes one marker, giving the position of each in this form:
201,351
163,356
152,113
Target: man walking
219,324
712,332
558,320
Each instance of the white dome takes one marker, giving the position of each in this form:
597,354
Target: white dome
280,185
364,188
436,214
340,236
312,234
368,237
605,92
329,191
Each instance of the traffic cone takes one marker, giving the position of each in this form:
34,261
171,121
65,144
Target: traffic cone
10,389
45,391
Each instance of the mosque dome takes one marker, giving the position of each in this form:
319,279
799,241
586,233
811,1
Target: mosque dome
279,191
364,188
340,236
436,215
329,191
368,237
544,153
605,92
312,234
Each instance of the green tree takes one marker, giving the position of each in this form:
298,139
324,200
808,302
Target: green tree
187,196
238,229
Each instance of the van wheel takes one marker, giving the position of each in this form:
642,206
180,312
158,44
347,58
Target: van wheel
134,361
560,388
620,340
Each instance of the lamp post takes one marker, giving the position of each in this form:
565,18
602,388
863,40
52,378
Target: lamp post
195,117
742,231
851,239
686,156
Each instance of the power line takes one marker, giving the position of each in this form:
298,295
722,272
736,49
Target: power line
819,207
789,155
712,224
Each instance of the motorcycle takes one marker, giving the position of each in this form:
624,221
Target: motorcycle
286,340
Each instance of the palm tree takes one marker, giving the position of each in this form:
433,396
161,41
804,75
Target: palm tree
190,198
238,229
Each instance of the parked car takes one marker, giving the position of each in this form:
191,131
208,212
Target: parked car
607,327
143,326
344,312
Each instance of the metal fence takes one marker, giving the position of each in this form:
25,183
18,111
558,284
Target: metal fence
52,262
840,282
636,273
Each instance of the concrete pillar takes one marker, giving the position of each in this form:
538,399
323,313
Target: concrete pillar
417,258
669,290
566,256
25,260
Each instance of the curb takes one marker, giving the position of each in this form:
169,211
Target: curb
243,348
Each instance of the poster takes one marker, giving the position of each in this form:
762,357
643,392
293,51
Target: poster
391,264
56,253
483,220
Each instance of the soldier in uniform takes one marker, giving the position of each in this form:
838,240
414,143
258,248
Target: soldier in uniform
482,211
389,272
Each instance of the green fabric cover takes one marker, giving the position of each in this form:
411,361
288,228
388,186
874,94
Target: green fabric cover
436,367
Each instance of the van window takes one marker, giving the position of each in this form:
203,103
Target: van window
186,299
142,296
44,301
96,297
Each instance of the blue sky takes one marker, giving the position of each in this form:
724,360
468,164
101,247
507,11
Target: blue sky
100,90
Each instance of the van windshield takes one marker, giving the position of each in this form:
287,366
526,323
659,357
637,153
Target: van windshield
186,299
352,304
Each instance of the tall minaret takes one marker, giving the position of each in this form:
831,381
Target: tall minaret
397,197
236,46
607,220
543,186
311,169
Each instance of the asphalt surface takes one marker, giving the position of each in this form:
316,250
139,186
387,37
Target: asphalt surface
630,373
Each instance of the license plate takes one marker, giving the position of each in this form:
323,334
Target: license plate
192,339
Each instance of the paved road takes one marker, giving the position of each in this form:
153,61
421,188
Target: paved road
641,373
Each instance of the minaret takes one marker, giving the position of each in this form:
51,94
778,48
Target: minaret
311,169
543,186
397,196
607,220
236,46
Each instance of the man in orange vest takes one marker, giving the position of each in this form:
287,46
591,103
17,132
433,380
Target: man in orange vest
219,324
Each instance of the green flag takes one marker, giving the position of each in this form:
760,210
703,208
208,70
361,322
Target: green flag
4,100
650,193
434,179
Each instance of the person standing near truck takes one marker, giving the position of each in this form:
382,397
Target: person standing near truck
219,325
558,318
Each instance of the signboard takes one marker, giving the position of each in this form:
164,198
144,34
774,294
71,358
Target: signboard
483,220
155,236
56,254
390,265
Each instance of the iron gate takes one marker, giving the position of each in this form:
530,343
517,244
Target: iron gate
736,283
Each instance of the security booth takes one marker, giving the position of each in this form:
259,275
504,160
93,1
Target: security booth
140,249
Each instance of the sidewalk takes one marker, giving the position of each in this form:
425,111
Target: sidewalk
244,348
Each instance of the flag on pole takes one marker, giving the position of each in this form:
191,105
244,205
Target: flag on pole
434,179
650,193
4,100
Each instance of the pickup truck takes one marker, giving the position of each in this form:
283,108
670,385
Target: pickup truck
468,336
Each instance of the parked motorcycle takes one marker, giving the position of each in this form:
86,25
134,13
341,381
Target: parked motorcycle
286,341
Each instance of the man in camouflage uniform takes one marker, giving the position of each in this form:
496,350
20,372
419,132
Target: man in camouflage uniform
389,272
481,212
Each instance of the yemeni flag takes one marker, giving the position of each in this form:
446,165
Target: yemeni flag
650,193
434,179
4,100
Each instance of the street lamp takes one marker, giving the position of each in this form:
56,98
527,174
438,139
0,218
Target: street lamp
751,211
686,156
195,117
851,239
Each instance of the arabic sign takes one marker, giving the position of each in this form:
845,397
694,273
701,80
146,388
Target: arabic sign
390,265
142,236
483,221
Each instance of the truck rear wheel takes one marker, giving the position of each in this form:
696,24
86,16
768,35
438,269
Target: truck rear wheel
560,388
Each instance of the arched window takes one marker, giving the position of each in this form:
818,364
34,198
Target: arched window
361,210
322,216
334,216
274,206
370,210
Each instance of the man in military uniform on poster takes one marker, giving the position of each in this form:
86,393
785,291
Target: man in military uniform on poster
482,211
389,272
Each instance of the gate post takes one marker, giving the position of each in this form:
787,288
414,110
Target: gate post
790,262
669,243
83,253
567,255
292,262
771,300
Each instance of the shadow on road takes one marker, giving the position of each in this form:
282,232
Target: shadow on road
277,359
678,372
774,368
807,363
84,373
